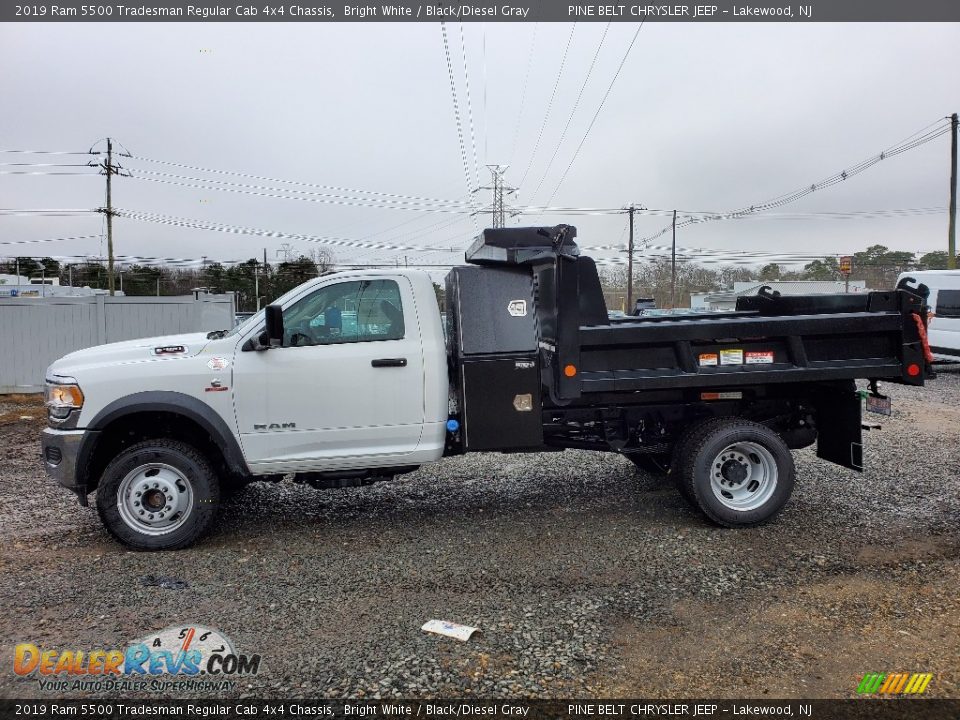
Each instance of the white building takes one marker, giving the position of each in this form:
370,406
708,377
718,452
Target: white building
14,280
14,286
727,299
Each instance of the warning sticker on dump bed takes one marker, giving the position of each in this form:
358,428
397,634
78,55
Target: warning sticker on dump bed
708,359
760,357
731,357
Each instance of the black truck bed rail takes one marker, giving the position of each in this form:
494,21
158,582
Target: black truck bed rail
690,353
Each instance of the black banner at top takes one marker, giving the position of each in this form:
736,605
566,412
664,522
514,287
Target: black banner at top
320,709
482,11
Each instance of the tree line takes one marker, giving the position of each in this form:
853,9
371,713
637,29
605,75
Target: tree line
878,265
246,279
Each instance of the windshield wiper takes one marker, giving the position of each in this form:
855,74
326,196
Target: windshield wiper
216,334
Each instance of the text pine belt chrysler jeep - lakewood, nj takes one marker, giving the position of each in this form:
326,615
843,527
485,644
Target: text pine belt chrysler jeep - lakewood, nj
352,378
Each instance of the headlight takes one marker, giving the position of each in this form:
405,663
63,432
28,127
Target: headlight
62,398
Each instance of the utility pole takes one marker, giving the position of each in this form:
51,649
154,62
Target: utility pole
952,228
673,264
110,171
70,274
629,308
256,282
498,209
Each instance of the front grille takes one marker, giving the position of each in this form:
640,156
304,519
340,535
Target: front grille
53,455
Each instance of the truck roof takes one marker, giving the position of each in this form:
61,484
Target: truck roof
931,273
377,272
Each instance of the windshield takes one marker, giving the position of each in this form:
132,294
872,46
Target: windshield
257,317
250,322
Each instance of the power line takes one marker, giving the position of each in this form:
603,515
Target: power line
397,200
47,152
466,80
456,107
597,113
49,240
916,140
383,205
29,212
486,133
523,92
46,172
556,84
432,227
576,104
24,164
297,183
240,230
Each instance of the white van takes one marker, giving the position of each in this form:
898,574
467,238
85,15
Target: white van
944,329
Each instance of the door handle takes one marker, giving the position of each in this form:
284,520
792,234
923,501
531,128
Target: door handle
389,362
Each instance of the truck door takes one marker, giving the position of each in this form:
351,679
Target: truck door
347,387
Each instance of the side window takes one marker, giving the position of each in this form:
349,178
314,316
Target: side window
948,304
356,311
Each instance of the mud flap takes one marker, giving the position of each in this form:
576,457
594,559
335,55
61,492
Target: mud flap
839,436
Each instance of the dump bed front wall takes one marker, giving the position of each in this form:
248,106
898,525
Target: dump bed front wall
492,310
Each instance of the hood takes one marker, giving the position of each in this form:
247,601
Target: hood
140,350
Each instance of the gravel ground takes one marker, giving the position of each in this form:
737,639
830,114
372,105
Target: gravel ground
586,577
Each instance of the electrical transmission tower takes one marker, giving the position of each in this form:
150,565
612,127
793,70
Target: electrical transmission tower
497,209
286,249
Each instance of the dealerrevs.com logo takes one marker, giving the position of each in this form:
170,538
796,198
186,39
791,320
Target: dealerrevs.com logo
181,657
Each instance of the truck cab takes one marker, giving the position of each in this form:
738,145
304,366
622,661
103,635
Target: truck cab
354,389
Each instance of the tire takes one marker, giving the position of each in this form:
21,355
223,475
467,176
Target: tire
172,477
679,450
656,464
737,472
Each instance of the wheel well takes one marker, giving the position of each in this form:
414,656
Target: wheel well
136,427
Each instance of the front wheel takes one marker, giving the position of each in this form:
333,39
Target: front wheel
737,472
158,495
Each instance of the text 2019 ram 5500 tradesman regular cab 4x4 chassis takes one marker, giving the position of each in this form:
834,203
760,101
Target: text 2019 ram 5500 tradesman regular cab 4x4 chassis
352,378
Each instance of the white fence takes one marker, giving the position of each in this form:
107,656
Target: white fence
37,331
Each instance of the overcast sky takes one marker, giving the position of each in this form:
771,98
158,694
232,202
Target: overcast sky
702,117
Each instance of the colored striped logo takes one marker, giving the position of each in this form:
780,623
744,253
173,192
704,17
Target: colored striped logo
894,683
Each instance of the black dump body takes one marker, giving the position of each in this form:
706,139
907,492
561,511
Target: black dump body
536,361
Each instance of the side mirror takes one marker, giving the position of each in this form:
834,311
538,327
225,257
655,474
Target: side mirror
274,325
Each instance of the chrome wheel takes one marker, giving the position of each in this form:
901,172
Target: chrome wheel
155,499
743,476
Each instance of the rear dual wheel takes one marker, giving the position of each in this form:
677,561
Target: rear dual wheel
737,472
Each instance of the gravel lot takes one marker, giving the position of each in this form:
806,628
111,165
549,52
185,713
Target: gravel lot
587,577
